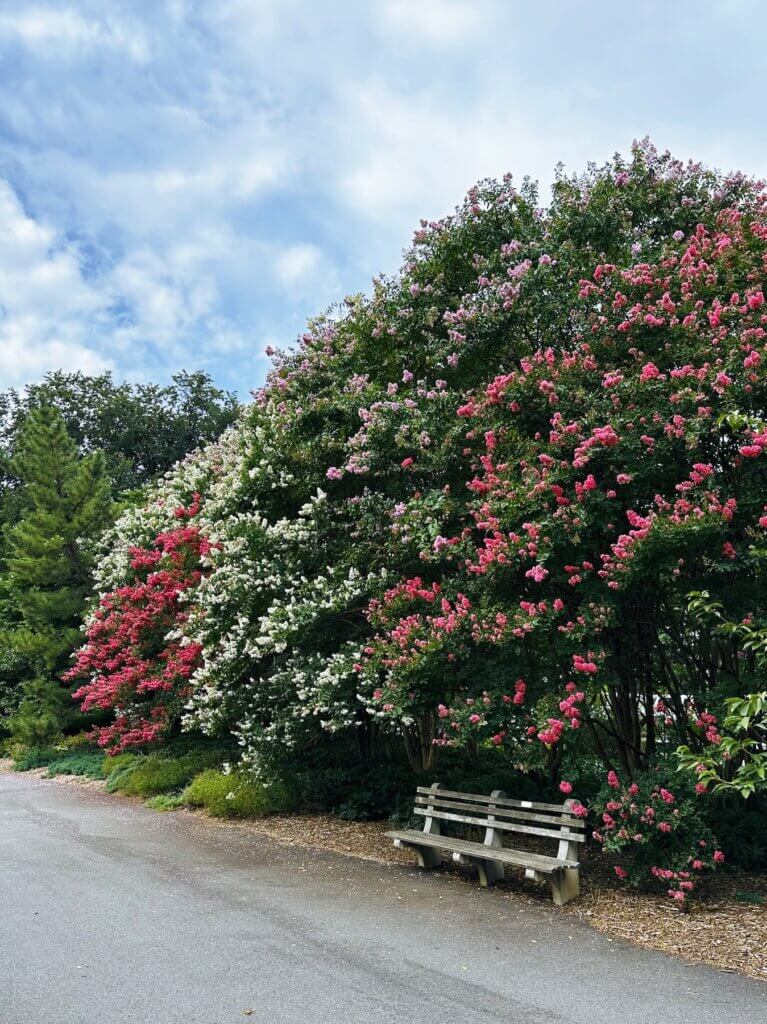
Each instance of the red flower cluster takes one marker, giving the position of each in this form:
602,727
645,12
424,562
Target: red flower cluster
129,663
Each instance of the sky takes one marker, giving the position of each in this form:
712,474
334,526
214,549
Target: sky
184,182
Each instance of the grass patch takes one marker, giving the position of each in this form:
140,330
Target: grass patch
237,795
165,802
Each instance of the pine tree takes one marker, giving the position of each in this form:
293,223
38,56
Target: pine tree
66,504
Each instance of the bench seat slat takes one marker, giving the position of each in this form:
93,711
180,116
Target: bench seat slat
555,832
480,798
547,820
520,858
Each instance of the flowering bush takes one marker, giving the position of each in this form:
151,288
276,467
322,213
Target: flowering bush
658,833
611,471
468,509
136,660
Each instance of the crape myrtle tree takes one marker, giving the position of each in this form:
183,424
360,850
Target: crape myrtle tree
135,657
610,477
469,508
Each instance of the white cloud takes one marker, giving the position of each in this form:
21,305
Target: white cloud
308,277
156,306
203,180
58,31
296,263
46,306
23,359
238,178
435,21
417,158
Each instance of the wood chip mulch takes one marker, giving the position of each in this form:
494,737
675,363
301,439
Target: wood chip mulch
720,929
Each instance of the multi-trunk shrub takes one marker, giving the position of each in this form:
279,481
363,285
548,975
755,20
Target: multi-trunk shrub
469,508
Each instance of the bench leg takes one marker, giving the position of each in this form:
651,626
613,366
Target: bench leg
428,856
565,886
490,872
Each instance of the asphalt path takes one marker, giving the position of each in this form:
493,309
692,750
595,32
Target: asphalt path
110,912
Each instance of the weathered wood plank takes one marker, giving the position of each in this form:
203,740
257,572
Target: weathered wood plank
557,832
500,812
477,851
501,802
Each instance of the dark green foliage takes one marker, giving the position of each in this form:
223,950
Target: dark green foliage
14,669
750,897
78,763
354,793
332,779
238,795
44,711
741,828
49,554
583,770
142,429
36,757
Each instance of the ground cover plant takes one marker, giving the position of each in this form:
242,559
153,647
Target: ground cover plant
157,774
90,765
511,504
236,795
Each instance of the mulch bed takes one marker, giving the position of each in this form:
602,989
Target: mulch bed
720,928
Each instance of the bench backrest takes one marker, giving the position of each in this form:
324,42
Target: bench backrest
500,814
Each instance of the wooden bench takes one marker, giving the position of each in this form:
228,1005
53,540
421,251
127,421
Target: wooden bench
498,815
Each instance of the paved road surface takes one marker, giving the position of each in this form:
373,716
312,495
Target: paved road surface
114,913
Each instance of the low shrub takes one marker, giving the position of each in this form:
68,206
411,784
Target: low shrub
35,757
118,776
657,828
114,763
154,774
81,741
351,791
237,795
87,764
164,802
334,780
